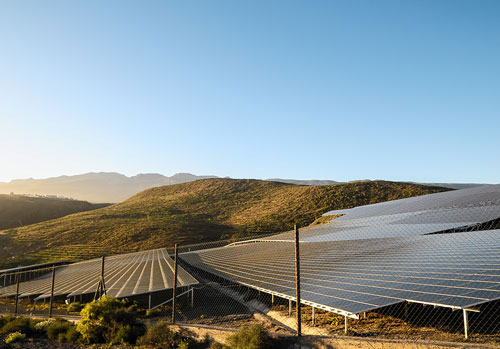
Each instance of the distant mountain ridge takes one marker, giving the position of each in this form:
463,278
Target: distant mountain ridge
113,187
95,186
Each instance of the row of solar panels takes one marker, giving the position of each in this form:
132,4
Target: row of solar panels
485,195
125,275
459,270
421,215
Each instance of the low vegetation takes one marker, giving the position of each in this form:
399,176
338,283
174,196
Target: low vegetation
188,213
20,210
250,337
15,337
111,321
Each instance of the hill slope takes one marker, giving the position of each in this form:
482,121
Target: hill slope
19,210
193,212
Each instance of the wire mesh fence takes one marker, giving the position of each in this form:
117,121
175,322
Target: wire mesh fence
411,270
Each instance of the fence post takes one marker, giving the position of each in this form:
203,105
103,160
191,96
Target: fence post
17,291
175,285
102,276
297,280
52,290
101,286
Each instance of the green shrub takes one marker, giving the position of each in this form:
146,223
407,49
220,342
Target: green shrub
72,335
111,321
254,337
155,312
75,307
91,331
18,324
15,337
157,334
5,319
160,335
41,327
59,330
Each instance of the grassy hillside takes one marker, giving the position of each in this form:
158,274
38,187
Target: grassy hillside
192,212
19,210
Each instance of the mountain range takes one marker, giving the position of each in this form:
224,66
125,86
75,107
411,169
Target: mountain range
112,187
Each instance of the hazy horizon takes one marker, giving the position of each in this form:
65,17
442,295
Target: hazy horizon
335,90
223,176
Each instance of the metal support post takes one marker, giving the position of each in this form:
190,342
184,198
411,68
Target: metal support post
149,304
345,324
52,290
272,299
17,291
102,276
175,285
466,324
101,286
289,307
313,320
192,297
297,280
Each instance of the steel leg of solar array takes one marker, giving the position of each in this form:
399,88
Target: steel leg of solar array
175,285
52,290
192,297
17,292
466,324
272,299
289,307
149,306
313,316
345,324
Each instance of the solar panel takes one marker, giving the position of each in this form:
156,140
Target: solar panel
125,275
390,219
486,195
457,270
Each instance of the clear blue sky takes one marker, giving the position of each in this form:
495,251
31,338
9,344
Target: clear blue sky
341,90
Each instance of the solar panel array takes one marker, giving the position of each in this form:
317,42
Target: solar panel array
485,195
458,270
413,216
377,255
125,275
